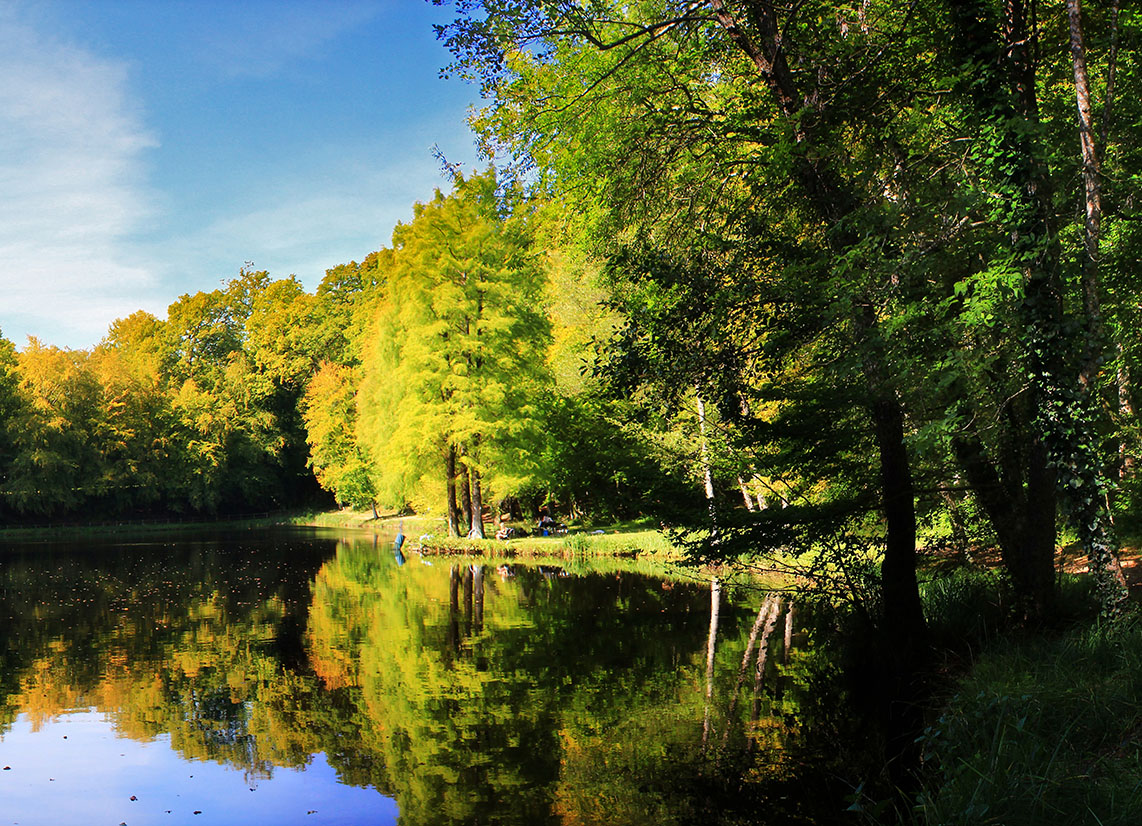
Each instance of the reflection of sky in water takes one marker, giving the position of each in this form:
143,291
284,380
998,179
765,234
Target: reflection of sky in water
89,778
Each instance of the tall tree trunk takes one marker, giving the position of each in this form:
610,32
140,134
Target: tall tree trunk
707,468
1020,505
704,449
903,612
465,493
1091,517
1122,373
477,529
1092,202
745,494
1061,434
450,479
1126,413
834,201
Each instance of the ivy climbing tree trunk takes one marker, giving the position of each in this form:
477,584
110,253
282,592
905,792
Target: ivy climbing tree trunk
1091,517
1060,452
1092,201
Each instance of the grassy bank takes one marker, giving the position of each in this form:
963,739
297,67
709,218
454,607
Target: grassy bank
1029,727
426,534
429,536
1044,729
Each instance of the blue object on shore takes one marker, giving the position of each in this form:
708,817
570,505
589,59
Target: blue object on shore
398,543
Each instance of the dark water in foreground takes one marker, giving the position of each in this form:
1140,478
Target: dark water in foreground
302,677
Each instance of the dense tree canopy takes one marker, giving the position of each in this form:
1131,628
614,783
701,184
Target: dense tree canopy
858,228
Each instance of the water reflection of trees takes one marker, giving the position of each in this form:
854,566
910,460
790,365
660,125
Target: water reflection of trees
184,642
566,696
469,692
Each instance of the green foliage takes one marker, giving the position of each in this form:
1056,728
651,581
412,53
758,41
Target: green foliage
56,463
600,460
329,409
195,413
456,353
808,249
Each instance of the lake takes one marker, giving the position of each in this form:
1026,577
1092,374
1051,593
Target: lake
316,677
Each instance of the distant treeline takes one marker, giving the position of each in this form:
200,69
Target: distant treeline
444,374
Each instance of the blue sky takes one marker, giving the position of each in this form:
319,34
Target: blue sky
149,148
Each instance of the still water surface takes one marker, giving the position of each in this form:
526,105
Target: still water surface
312,677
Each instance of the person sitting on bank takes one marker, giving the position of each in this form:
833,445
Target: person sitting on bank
546,524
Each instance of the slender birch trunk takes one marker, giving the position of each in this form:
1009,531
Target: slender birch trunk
707,468
745,494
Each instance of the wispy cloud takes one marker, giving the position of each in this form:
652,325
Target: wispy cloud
72,187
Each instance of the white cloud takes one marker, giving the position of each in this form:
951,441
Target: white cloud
72,143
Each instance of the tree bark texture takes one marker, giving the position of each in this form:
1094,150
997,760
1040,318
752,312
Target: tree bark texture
465,494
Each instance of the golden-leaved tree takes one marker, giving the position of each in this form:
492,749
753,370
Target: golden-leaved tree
456,363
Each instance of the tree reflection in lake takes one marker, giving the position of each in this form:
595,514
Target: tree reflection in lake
467,691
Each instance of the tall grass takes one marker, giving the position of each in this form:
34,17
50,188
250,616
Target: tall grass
1044,730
